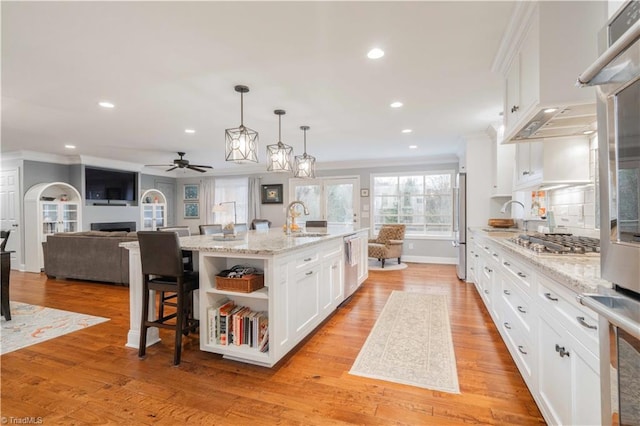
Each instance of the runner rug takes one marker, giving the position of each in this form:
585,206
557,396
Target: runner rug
31,324
411,344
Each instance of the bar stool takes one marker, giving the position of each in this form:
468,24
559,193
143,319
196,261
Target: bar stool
163,271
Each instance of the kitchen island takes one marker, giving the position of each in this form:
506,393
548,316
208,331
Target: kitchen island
303,284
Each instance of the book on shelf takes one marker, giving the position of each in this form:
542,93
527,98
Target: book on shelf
224,322
213,320
231,324
263,345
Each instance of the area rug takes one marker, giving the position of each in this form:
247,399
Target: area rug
31,324
411,344
389,265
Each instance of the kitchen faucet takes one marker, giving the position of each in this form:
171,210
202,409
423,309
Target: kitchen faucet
504,206
503,210
289,218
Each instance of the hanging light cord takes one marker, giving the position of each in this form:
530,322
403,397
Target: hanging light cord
305,141
241,109
279,128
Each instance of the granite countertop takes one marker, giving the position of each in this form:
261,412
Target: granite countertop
580,273
271,242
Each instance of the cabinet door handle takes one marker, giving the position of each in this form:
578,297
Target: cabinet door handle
562,351
486,292
507,292
507,264
525,173
521,309
507,326
521,349
495,254
309,273
586,324
488,269
486,248
521,275
548,296
307,259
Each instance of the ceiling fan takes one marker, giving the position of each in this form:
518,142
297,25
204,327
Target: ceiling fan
181,163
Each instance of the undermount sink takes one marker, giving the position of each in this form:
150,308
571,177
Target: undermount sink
308,234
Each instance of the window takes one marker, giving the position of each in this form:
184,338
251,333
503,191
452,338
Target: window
335,200
422,201
227,191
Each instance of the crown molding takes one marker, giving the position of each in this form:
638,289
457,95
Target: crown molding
513,37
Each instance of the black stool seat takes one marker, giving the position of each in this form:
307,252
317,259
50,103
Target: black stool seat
163,271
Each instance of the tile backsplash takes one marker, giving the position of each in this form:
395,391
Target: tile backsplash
575,209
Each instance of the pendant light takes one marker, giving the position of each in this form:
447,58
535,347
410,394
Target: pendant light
279,154
305,166
241,143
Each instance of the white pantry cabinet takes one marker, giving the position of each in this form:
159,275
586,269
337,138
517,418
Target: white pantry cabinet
48,208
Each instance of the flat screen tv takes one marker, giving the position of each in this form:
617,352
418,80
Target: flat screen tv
105,184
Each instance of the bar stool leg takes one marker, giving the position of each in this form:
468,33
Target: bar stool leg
145,316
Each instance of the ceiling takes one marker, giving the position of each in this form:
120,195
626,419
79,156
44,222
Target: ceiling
169,66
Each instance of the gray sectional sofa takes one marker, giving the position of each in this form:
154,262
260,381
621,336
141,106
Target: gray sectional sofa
90,256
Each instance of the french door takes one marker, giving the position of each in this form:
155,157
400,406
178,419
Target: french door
335,200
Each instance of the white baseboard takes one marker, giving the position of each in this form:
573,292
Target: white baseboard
430,259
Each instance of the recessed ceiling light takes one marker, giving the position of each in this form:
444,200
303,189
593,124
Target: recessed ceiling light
106,104
588,132
407,131
191,131
375,53
69,146
413,146
549,110
396,104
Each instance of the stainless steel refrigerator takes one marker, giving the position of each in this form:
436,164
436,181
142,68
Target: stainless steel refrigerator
460,224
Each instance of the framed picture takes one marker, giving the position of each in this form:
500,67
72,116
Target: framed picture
364,192
272,194
191,210
191,192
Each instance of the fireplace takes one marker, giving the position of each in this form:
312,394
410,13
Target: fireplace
114,226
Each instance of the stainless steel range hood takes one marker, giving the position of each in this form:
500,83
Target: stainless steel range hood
576,120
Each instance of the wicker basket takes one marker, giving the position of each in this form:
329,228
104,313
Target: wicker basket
245,284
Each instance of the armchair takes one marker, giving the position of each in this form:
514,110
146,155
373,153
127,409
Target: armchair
388,245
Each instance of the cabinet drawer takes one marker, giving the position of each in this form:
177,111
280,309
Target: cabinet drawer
307,258
519,342
518,303
562,304
522,274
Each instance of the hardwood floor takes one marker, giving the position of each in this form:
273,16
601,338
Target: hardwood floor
90,377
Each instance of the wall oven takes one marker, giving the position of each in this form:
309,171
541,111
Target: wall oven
616,75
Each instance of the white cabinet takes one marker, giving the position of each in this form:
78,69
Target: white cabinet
502,170
552,339
153,210
363,261
49,208
529,164
569,378
558,161
522,83
332,289
540,61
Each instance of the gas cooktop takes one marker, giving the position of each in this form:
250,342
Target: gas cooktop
558,243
